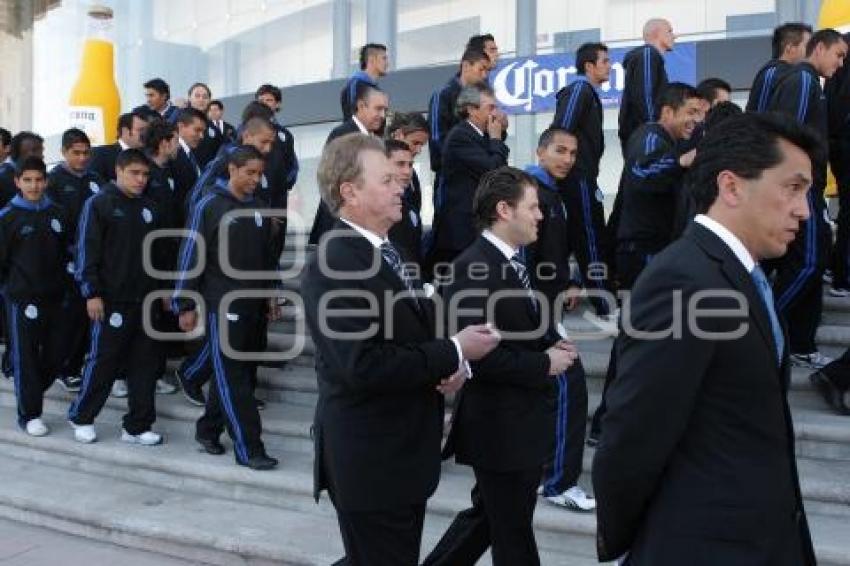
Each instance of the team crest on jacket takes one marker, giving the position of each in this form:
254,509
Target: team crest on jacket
31,312
147,215
56,225
258,218
116,320
93,187
264,183
281,135
171,183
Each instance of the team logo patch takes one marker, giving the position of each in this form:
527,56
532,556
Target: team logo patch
264,183
31,312
27,230
147,215
232,317
116,320
69,189
56,226
258,218
70,267
93,187
281,135
171,183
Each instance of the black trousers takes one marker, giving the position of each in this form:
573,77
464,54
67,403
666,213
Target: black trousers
119,342
35,351
838,371
798,288
562,472
586,213
841,251
74,324
230,403
381,538
501,518
198,368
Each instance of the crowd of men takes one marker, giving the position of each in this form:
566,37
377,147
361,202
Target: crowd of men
710,198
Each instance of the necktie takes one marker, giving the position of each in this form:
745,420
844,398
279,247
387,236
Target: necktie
522,272
194,163
393,259
763,286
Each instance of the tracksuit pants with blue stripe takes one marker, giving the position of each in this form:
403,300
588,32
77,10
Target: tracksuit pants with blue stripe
119,342
230,402
562,472
36,347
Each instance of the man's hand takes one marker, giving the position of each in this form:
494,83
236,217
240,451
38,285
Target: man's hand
561,357
274,312
453,383
495,127
571,298
95,308
188,320
477,340
687,159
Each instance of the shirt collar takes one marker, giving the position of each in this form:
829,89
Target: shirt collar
500,244
124,146
373,238
474,127
360,126
185,146
730,239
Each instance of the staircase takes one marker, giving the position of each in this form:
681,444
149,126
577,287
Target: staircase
176,500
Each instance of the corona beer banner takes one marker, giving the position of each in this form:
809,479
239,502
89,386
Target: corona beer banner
527,85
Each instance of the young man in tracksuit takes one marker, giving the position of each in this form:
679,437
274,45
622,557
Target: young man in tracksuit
579,111
70,184
114,282
548,261
34,253
798,285
247,244
373,65
789,48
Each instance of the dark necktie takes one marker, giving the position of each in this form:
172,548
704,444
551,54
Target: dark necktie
522,272
763,286
194,163
393,259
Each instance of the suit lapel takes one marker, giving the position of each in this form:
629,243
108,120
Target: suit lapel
497,258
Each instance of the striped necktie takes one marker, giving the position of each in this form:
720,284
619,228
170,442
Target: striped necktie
390,255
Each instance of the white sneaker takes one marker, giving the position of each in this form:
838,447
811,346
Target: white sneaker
83,433
36,427
119,388
165,388
147,438
839,292
815,360
574,498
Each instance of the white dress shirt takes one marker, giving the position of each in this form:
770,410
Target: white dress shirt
730,239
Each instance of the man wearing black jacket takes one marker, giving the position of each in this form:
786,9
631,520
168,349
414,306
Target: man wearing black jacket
407,232
711,478
22,145
185,168
373,65
114,282
382,376
798,284
412,130
789,48
215,113
131,128
837,92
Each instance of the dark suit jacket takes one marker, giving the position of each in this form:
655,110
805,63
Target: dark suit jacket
407,232
379,418
466,157
696,461
324,220
504,417
185,176
103,161
209,145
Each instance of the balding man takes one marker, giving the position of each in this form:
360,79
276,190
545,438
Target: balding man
646,77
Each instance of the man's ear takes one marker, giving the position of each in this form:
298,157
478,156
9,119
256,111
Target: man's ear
729,187
347,192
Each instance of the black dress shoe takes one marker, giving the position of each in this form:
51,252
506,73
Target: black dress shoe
211,446
261,405
260,463
192,391
830,393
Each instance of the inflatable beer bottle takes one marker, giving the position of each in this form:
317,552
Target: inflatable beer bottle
95,103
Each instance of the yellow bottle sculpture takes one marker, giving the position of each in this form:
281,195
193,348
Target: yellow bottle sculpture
95,102
834,14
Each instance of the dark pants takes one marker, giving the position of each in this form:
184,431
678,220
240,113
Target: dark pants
838,371
35,346
197,368
798,289
501,518
382,538
74,324
586,212
119,342
841,252
570,425
230,403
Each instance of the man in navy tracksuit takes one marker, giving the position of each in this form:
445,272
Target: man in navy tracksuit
798,285
548,261
789,48
579,111
247,245
114,282
70,184
837,92
373,65
34,253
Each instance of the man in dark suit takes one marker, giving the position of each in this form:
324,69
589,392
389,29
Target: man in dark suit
185,168
370,112
131,128
407,232
472,148
503,422
696,460
215,114
379,417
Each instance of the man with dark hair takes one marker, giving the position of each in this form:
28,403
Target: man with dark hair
442,112
185,169
131,128
798,284
789,48
113,280
502,426
21,146
5,142
645,78
407,232
377,437
215,114
714,91
473,147
370,112
698,492
837,92
373,65
579,111
486,43
158,101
